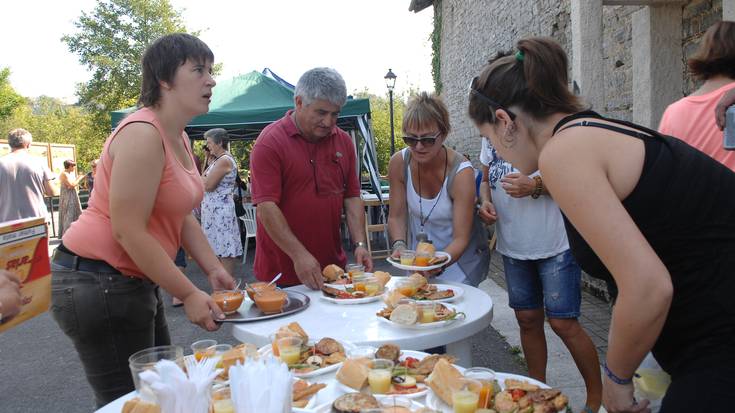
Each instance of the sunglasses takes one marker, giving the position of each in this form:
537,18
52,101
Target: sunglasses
428,140
493,104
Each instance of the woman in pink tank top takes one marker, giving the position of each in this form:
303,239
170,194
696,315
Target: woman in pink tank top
107,272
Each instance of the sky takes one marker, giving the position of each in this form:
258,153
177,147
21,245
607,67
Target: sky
360,39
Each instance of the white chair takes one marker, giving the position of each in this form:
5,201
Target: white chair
250,227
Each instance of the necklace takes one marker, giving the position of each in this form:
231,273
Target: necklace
423,220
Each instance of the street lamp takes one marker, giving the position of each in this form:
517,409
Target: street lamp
390,83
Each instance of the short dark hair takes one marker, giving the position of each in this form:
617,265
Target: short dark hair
163,57
68,163
716,54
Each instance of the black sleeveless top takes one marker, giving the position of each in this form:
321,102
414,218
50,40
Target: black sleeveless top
684,204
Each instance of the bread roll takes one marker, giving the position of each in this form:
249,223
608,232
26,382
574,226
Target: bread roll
332,272
405,314
136,405
393,298
353,373
292,330
418,280
426,247
444,380
382,277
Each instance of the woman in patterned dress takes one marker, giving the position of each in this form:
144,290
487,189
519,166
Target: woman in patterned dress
219,221
69,206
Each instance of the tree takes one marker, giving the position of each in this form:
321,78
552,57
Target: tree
380,115
110,42
9,99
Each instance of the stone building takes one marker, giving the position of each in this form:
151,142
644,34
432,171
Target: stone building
627,57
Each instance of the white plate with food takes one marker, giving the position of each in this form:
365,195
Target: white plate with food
444,257
412,321
346,295
308,365
433,401
438,293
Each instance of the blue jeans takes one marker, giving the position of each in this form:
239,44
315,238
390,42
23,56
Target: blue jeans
108,317
552,283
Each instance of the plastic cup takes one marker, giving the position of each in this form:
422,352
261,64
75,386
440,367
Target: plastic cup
201,348
372,286
407,257
379,376
427,311
289,349
422,259
146,359
466,398
222,401
488,382
218,351
355,270
274,345
407,288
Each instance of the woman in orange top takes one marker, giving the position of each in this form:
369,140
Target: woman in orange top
690,118
107,272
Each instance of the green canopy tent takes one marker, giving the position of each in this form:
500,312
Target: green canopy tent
244,105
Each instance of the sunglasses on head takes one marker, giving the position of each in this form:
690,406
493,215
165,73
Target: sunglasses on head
427,140
493,104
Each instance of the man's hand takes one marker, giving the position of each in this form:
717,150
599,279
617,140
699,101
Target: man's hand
10,299
728,99
362,256
518,185
618,398
487,213
309,271
221,279
200,309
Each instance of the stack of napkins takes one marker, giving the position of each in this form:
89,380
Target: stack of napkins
259,386
175,392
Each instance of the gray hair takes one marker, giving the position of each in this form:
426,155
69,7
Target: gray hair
218,136
322,83
19,138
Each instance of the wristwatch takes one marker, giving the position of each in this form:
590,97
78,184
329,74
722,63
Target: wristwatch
359,244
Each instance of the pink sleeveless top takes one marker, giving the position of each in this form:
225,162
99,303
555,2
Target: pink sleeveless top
179,192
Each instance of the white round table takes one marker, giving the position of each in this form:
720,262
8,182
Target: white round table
358,324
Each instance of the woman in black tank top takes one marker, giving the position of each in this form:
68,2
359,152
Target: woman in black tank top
644,211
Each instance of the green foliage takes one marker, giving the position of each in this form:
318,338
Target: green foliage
50,120
380,115
9,99
110,42
436,47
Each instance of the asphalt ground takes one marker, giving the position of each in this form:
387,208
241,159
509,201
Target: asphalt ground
40,370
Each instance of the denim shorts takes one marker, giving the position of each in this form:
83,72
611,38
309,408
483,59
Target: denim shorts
552,283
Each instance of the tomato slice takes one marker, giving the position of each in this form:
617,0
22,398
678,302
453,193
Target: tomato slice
517,394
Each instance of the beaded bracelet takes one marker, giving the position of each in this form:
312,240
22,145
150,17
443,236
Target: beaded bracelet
615,378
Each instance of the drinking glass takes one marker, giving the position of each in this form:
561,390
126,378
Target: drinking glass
379,376
289,349
146,360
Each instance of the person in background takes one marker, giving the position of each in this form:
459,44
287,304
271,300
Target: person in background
544,280
219,221
69,206
689,118
23,180
645,210
90,176
10,297
108,270
303,175
433,194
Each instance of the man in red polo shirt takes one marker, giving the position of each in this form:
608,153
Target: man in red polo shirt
303,174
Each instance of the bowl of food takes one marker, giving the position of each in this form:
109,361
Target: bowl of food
270,301
251,289
228,300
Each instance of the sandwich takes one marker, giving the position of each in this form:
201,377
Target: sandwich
444,380
382,277
332,273
292,330
393,298
418,280
137,405
426,247
354,373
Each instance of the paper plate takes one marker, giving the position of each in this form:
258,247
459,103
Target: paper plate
425,326
267,350
400,266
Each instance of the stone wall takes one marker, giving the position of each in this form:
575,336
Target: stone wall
473,31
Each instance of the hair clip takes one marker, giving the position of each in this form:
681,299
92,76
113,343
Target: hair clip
520,55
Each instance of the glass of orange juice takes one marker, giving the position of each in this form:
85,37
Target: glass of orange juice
407,288
407,257
355,270
379,376
422,259
290,350
203,348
